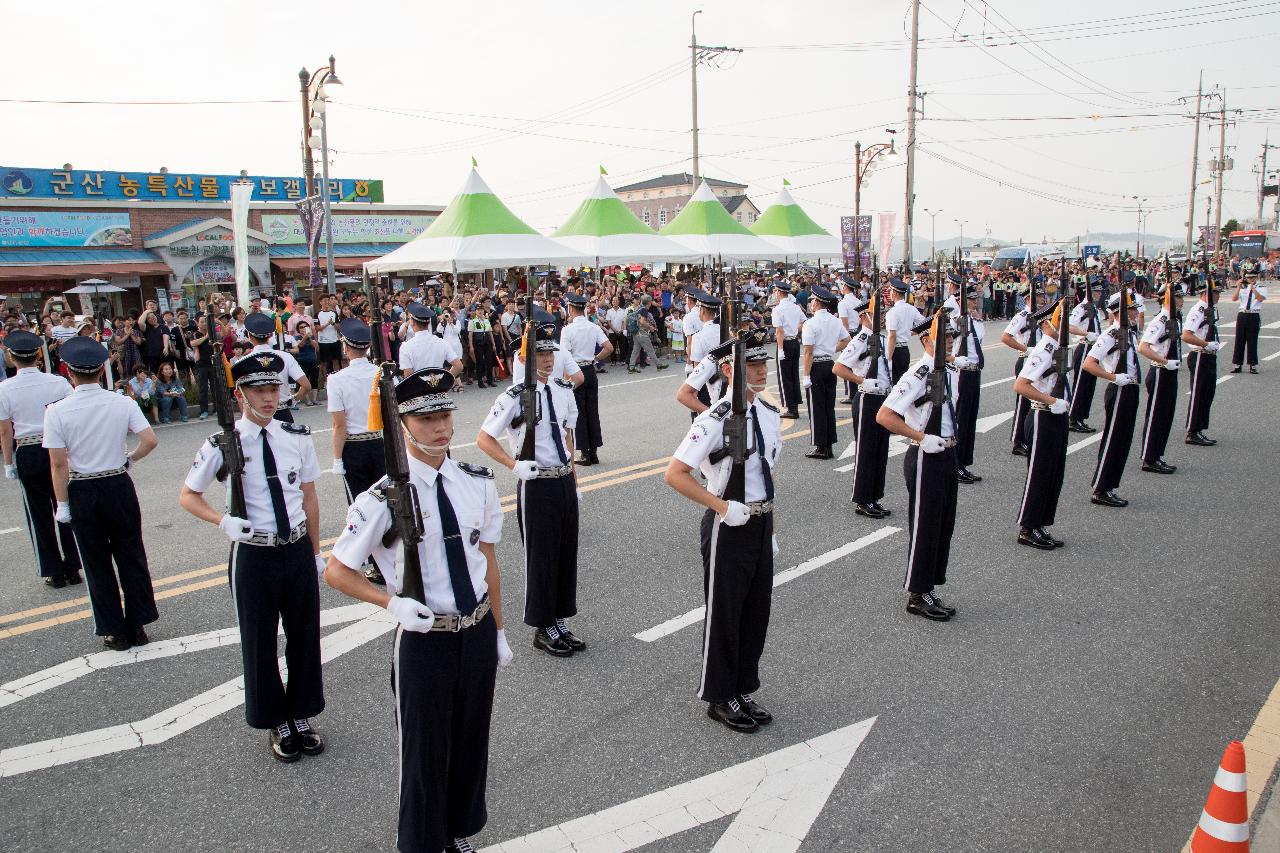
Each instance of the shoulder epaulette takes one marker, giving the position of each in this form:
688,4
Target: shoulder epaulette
1115,333
922,371
296,429
514,391
476,470
379,489
721,410
563,383
762,401
1050,345
213,439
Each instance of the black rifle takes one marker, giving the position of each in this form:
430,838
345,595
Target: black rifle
938,378
735,428
228,440
1064,333
1175,316
402,496
963,298
1031,309
873,345
1212,313
1122,364
529,390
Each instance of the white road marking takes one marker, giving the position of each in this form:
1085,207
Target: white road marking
1226,378
848,451
1272,325
997,382
1085,442
775,799
9,530
1273,355
69,671
173,721
696,615
990,422
665,375
897,446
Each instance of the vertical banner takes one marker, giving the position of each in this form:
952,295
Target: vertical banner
241,193
848,246
888,224
311,214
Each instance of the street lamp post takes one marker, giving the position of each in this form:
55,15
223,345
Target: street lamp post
962,224
863,158
1138,246
315,136
933,232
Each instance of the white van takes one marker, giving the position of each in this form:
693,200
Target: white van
1018,257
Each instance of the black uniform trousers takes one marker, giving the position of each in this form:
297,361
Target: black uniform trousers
737,565
443,684
274,585
587,435
1204,384
1046,466
1021,405
931,509
484,356
1162,399
550,549
968,397
1246,346
1083,384
365,463
871,456
789,374
900,361
107,524
1121,406
54,543
822,399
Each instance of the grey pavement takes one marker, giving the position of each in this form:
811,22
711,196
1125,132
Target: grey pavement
1080,700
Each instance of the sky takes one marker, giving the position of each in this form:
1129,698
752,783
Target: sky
1041,120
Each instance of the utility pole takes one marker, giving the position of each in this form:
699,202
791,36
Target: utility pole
907,218
1195,162
1222,169
698,52
1262,172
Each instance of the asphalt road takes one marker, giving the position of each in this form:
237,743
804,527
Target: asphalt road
1080,700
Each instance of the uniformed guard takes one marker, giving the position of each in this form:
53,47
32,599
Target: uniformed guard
426,349
483,343
968,382
690,324
1160,344
580,339
930,469
547,482
260,329
85,435
1047,431
788,317
901,319
737,541
704,386
821,337
447,648
275,557
1087,316
871,441
358,455
1017,335
704,340
1120,400
850,305
23,399
1250,295
1200,334
563,367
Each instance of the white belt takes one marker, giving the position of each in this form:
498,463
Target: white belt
1248,311
455,622
262,537
97,475
789,337
760,507
28,439
946,442
371,435
585,362
555,473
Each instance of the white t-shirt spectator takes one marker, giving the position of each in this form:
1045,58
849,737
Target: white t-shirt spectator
327,321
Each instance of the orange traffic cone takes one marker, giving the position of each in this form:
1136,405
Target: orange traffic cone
1224,823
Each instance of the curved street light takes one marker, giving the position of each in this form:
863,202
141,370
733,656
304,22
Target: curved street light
863,160
316,88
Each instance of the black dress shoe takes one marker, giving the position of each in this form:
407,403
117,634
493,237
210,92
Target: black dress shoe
1108,499
116,642
965,477
820,453
755,710
1019,450
1199,440
977,478
921,606
74,578
1253,370
374,575
878,507
583,460
868,510
845,401
1057,543
1159,467
138,636
732,716
1034,539
1079,426
284,746
933,598
572,640
1235,369
56,581
306,737
556,648
790,414
595,460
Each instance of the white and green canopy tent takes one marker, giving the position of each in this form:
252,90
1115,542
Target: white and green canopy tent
475,232
785,225
605,229
705,227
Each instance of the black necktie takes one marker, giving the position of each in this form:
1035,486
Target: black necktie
555,427
1248,301
977,345
764,462
273,486
464,593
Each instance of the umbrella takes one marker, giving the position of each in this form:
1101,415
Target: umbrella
705,227
604,228
95,286
785,225
475,232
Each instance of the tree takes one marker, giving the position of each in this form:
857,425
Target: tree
1229,226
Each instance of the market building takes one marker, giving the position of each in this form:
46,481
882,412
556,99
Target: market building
657,201
168,236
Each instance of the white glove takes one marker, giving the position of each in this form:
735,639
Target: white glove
1123,379
875,386
505,654
962,361
933,444
11,471
338,468
525,471
1172,364
579,495
782,355
1059,407
237,529
412,615
1091,336
776,549
805,382
1212,346
321,562
62,514
736,514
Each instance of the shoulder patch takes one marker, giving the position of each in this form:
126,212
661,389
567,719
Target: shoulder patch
922,371
721,410
514,391
476,470
563,383
762,401
213,439
379,489
1114,333
296,429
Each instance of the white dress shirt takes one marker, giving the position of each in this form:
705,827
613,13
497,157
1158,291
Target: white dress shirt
901,318
703,341
788,316
348,391
824,332
427,350
25,395
913,387
706,436
92,423
507,407
562,368
580,339
1106,351
1038,367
